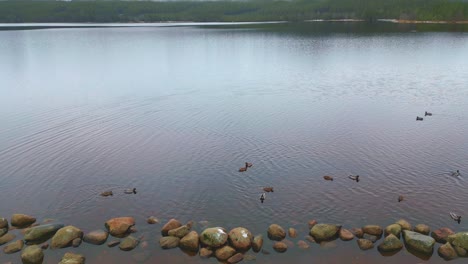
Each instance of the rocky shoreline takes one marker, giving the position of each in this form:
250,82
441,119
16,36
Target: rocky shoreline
217,242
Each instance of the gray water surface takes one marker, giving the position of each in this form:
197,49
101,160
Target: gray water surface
176,111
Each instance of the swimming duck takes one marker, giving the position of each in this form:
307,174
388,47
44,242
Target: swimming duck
427,114
455,217
107,193
268,189
455,173
328,178
419,118
248,164
400,198
262,197
130,191
243,169
354,178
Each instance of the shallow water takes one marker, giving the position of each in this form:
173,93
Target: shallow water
175,111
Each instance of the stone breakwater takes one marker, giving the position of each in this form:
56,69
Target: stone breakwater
228,246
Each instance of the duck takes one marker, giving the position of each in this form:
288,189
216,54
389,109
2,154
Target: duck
107,193
328,178
419,118
400,198
268,189
455,217
130,191
262,197
248,164
243,169
354,178
455,173
427,113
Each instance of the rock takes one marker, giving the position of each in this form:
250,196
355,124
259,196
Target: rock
96,237
447,252
404,224
236,258
132,229
120,226
459,239
128,243
205,253
292,232
390,243
374,230
276,232
325,232
280,247
422,229
42,233
3,223
152,220
250,257
6,238
32,255
172,224
371,237
72,258
225,252
3,231
113,243
13,247
76,242
418,242
240,238
440,235
394,229
22,220
190,242
302,244
257,243
310,239
460,251
345,234
169,242
45,246
311,223
179,232
365,244
214,237
357,232
65,236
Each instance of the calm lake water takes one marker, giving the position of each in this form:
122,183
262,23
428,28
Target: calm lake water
176,111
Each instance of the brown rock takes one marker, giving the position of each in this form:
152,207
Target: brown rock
152,220
460,251
205,253
280,247
172,224
240,238
120,226
302,244
169,242
225,252
394,229
96,237
447,252
404,224
45,246
311,223
72,258
113,243
310,239
236,258
440,235
276,232
190,242
346,235
357,232
7,238
365,244
374,230
422,229
257,243
76,242
179,232
22,220
65,236
371,237
3,223
13,247
32,255
292,232
128,243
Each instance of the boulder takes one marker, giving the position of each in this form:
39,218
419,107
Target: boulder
394,229
6,238
32,255
280,247
64,237
128,243
311,223
76,242
120,226
224,253
460,251
41,233
405,225
440,235
447,252
459,239
374,230
13,247
391,243
72,258
345,234
357,232
214,237
236,258
257,243
371,237
418,242
169,242
152,220
96,237
3,223
365,244
22,220
171,224
179,232
422,229
190,242
240,238
292,232
276,232
325,232
3,231
302,244
206,253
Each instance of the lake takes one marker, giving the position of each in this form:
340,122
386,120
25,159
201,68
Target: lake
176,111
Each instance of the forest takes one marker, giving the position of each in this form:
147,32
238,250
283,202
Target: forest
21,11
